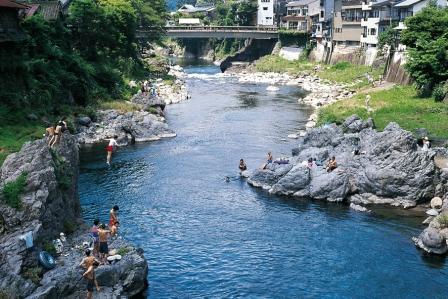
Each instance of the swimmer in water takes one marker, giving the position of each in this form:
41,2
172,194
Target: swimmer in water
227,179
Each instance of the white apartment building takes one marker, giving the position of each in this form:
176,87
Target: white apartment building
297,16
265,14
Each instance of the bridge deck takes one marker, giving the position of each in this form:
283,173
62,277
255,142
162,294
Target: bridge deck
242,32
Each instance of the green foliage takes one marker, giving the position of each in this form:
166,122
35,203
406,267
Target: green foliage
123,251
388,37
33,274
443,220
350,74
277,64
426,38
399,104
235,13
69,227
292,38
49,247
64,175
13,190
440,91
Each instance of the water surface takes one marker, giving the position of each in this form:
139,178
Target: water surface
204,237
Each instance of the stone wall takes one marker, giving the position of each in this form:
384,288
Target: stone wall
396,72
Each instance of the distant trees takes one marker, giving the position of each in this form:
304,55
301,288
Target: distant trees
426,38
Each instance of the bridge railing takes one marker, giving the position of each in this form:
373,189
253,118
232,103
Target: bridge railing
222,28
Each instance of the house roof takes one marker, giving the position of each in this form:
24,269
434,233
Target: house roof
191,9
407,3
299,3
12,4
50,10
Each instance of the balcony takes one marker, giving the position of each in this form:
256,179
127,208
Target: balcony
352,3
351,20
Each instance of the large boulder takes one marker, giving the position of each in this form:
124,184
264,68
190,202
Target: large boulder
432,241
388,167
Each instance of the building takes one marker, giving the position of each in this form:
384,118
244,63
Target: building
50,10
320,13
377,17
297,16
409,8
265,13
10,30
347,28
189,22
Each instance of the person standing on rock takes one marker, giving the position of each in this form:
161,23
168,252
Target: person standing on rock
110,148
103,235
57,134
95,236
269,160
113,220
89,275
426,144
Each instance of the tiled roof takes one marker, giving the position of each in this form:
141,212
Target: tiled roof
50,10
299,3
12,4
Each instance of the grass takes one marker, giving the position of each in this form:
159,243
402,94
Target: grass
123,251
399,104
277,64
352,75
342,72
122,106
13,190
12,137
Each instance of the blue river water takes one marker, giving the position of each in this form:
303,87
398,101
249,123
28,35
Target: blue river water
204,237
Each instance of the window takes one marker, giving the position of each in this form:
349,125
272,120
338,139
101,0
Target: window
322,14
265,1
372,31
265,8
338,30
293,25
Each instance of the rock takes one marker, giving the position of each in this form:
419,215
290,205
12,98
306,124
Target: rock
388,170
358,208
293,136
84,121
32,117
432,212
48,207
428,220
436,203
431,241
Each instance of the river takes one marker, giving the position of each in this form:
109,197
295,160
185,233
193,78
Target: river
204,237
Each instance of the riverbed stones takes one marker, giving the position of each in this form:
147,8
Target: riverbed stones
84,121
389,169
432,241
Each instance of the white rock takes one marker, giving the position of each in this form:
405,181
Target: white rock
432,212
436,203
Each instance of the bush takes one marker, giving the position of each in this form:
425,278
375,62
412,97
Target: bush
443,220
341,66
13,190
49,247
33,274
62,172
69,227
440,91
123,250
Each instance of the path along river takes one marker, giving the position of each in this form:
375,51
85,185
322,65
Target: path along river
204,237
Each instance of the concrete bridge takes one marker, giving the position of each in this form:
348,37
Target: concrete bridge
220,32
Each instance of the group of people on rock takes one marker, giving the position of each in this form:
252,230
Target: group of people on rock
54,133
310,163
98,255
148,86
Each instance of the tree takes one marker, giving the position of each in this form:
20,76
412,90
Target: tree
426,38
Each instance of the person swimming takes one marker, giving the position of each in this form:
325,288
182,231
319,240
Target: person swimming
242,165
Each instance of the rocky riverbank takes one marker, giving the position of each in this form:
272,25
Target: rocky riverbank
44,201
390,168
145,123
320,92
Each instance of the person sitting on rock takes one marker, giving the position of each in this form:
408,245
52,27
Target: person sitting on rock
103,235
113,220
310,163
89,275
110,148
331,165
269,160
242,165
